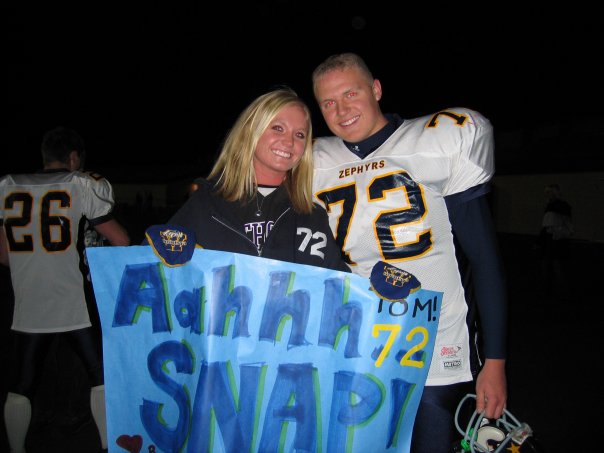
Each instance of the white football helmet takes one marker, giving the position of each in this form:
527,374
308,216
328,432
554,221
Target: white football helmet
483,435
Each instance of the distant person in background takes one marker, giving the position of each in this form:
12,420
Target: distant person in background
554,240
43,218
257,199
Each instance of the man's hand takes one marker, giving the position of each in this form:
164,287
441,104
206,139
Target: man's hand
491,389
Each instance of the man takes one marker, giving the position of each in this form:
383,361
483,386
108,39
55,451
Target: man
43,216
398,191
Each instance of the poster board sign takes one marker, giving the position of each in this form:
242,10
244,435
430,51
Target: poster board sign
235,353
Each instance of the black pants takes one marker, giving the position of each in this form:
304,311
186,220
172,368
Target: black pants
30,351
434,429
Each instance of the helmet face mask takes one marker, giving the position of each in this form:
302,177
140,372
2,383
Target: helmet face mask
482,435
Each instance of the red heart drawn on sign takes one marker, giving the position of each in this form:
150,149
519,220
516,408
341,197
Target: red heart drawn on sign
131,443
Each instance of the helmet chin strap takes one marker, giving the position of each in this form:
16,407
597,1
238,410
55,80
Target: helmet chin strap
489,436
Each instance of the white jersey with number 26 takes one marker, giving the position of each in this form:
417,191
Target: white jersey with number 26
390,206
44,217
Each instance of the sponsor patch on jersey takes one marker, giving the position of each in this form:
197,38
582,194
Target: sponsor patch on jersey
391,283
174,245
451,356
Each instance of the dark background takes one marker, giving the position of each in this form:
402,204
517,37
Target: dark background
157,85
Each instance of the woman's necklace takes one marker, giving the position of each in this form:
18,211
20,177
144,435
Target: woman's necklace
258,212
264,192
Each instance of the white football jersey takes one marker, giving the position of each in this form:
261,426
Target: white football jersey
390,206
44,215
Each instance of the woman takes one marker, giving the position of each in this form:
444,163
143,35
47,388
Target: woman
257,199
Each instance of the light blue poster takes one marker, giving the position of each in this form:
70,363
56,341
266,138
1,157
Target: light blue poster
234,353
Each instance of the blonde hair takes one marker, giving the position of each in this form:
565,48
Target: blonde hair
234,169
340,62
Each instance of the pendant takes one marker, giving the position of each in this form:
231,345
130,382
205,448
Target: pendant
258,213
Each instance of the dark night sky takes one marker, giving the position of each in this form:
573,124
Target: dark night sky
169,78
